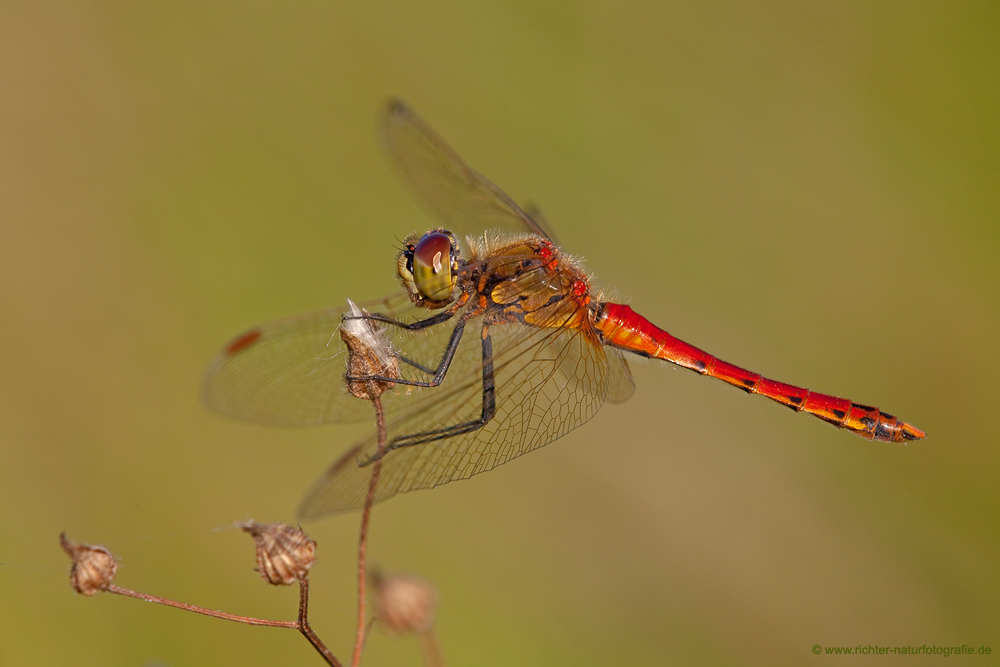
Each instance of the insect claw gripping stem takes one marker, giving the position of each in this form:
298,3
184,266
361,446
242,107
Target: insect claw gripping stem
622,327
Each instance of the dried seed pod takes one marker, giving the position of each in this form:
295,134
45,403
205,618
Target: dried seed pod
93,567
405,603
284,553
369,353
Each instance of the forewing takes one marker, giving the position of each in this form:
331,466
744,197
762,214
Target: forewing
291,372
465,201
548,382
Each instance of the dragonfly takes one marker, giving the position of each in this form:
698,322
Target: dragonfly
501,343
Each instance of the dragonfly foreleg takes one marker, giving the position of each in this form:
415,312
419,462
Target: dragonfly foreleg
439,372
443,316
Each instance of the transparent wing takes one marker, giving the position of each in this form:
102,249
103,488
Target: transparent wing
548,382
291,372
541,221
465,201
621,386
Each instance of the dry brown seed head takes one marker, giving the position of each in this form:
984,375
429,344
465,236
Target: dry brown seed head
93,567
369,353
284,553
405,603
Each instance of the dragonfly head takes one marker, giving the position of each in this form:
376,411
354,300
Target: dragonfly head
428,267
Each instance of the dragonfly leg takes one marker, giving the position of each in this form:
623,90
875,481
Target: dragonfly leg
488,410
414,364
440,318
443,316
439,372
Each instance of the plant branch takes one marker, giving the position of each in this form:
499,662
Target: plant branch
359,641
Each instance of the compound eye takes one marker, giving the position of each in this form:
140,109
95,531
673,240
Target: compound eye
433,264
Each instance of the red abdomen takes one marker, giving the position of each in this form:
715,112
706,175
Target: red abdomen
622,327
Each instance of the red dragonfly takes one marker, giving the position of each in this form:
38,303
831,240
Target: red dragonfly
501,343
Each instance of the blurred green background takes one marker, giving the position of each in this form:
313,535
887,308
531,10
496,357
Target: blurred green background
810,190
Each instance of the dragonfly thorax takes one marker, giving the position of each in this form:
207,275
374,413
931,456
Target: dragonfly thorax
428,267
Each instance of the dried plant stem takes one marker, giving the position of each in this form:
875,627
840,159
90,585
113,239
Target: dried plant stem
430,648
359,641
306,629
249,620
302,624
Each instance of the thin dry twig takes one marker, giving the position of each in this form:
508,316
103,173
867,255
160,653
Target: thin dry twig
431,648
359,640
95,567
249,620
371,368
306,629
